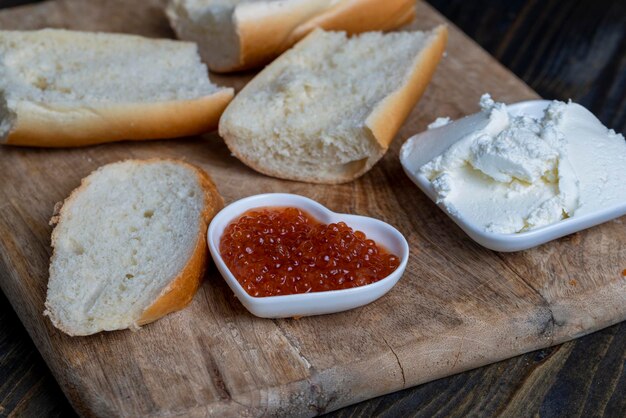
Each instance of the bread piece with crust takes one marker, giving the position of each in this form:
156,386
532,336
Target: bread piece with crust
129,245
62,88
327,110
235,35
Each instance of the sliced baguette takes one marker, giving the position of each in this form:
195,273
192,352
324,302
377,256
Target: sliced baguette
62,88
235,35
129,245
327,110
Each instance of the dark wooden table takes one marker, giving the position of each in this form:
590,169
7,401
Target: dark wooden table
563,49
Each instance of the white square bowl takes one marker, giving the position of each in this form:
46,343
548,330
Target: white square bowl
314,303
422,148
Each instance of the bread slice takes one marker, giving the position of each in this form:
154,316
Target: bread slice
129,245
62,88
327,110
235,35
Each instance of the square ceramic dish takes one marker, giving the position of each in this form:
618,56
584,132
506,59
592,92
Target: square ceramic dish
314,303
422,148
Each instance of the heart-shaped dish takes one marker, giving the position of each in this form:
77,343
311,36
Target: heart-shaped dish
314,303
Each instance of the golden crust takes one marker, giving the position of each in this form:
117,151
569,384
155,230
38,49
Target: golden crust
389,115
264,36
181,290
263,30
50,125
356,16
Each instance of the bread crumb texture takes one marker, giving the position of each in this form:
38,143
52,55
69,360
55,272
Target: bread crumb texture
73,68
121,238
209,24
304,117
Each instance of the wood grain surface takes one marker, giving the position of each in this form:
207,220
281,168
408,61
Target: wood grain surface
480,305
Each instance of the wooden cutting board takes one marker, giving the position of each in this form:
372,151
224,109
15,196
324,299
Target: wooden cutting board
458,306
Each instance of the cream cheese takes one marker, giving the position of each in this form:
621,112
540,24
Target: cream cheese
518,173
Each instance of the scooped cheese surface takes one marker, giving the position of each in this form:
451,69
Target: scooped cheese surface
519,173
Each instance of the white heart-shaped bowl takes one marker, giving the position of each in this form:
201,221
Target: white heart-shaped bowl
314,303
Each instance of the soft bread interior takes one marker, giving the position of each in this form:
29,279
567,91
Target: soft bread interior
122,237
304,117
80,69
210,24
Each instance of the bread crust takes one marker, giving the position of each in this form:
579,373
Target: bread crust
356,16
265,30
381,125
181,289
389,115
52,125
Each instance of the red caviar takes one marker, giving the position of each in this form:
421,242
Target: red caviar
283,251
